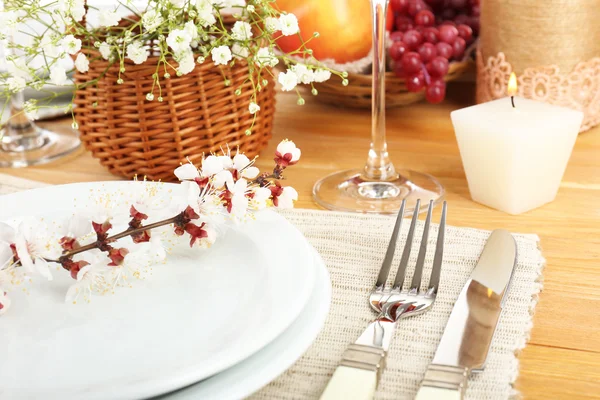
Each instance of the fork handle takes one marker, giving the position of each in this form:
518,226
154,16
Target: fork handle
358,373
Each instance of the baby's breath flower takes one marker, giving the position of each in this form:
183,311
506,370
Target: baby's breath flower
300,101
221,55
167,75
149,97
253,108
314,92
119,81
75,125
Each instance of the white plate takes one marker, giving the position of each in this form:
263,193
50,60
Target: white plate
258,370
197,315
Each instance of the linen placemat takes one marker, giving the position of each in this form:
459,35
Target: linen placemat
352,247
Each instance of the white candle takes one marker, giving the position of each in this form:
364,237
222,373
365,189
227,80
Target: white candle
514,158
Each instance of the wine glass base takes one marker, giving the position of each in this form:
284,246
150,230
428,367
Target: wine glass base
51,146
351,191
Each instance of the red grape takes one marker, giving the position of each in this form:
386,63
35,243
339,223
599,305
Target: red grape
396,36
444,49
404,23
398,70
458,4
458,48
397,50
435,92
431,35
415,82
412,39
427,52
462,19
438,67
424,18
398,6
434,2
448,33
465,32
411,63
414,6
448,14
476,10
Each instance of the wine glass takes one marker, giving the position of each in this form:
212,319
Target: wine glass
378,187
22,142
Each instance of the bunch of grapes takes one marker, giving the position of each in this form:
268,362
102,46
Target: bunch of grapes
427,36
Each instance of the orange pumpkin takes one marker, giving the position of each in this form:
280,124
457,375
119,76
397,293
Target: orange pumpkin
344,27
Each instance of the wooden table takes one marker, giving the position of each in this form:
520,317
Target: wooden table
562,359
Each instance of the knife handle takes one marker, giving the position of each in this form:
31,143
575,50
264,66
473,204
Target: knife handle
356,377
443,382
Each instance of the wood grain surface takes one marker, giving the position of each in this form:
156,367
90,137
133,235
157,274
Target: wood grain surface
562,359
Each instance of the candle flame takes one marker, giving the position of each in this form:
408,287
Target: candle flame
490,291
512,84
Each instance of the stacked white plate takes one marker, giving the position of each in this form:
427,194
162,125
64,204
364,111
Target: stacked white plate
220,324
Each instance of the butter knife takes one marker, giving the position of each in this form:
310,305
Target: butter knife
467,337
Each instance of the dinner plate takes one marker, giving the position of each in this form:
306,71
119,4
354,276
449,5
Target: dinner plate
261,368
196,315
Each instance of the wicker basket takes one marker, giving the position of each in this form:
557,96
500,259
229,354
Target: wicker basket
198,115
358,92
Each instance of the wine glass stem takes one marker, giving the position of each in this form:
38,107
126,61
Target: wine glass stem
378,164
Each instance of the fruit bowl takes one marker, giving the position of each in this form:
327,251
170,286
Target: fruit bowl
358,92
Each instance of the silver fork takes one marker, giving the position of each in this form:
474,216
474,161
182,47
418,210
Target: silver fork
358,373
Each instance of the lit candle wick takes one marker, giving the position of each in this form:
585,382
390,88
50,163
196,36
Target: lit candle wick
512,88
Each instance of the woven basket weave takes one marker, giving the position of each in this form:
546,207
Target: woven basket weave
358,92
199,114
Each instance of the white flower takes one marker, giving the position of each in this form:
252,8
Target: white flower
179,40
9,18
74,8
32,244
221,55
242,165
239,201
105,50
250,8
240,51
288,80
82,63
272,24
186,62
212,165
91,278
187,172
109,18
287,149
209,236
321,75
77,226
289,24
265,56
4,301
49,44
151,20
241,31
259,200
192,29
286,198
206,13
304,74
16,84
190,197
58,76
71,44
136,263
178,3
137,52
253,107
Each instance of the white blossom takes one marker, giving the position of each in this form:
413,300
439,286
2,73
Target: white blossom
272,24
137,52
58,76
289,24
250,8
266,57
82,63
73,8
186,62
304,74
242,164
239,201
253,108
71,44
105,50
287,147
321,75
241,31
288,80
191,28
206,13
16,84
4,301
221,55
151,20
187,171
178,3
49,45
259,200
287,197
240,51
91,278
179,40
108,18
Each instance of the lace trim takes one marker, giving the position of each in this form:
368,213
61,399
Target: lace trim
579,90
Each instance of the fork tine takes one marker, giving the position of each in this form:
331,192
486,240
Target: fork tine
406,252
416,280
434,280
389,254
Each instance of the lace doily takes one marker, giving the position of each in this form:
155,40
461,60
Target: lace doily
579,89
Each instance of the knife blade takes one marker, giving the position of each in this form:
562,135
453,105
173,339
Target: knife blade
468,334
